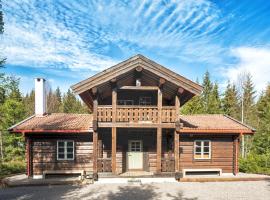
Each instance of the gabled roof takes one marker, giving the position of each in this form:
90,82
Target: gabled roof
55,122
131,64
212,122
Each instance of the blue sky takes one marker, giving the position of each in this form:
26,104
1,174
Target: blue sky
68,41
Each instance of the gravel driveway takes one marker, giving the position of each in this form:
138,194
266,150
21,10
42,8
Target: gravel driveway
182,191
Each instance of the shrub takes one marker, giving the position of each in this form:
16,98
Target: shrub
13,167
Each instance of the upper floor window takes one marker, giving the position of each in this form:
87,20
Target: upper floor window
202,149
145,101
65,150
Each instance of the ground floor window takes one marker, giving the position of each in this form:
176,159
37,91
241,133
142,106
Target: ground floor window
65,150
202,149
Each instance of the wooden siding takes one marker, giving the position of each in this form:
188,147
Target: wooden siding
44,151
221,153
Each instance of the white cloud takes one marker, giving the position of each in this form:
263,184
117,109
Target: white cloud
75,34
253,60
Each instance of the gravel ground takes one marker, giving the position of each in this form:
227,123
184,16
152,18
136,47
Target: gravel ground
255,190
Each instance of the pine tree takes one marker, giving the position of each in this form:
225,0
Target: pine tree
54,102
29,103
214,104
262,137
230,102
71,104
12,111
249,101
206,94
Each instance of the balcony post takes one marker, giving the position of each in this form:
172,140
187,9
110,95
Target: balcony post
114,117
95,131
159,131
176,134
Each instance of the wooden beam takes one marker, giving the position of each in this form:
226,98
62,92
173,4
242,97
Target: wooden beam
176,134
159,146
217,131
114,104
139,88
95,151
162,81
235,154
176,150
159,131
95,134
135,125
114,138
94,91
29,156
139,68
180,91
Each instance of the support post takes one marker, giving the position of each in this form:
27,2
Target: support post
159,131
29,156
236,154
176,134
114,138
114,134
95,134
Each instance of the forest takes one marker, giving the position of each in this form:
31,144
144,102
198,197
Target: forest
238,100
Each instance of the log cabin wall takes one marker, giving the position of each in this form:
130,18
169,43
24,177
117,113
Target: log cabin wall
221,153
44,153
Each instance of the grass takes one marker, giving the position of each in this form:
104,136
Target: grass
11,167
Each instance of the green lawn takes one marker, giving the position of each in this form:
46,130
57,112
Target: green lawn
12,167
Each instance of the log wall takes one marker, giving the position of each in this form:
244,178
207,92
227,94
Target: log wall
44,151
221,153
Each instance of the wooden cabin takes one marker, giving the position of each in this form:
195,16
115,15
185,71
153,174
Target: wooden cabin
135,126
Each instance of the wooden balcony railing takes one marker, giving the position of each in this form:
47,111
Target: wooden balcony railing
137,114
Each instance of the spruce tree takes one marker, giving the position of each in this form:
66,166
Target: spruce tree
71,104
230,102
214,104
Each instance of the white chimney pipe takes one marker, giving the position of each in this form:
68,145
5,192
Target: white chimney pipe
40,97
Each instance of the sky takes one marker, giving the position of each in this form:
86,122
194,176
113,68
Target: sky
70,40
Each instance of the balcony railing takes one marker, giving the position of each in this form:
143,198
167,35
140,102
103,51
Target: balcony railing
137,114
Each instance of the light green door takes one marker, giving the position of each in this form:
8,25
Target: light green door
135,155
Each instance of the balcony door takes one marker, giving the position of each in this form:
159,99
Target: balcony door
135,155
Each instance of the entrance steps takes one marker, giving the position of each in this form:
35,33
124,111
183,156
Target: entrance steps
136,180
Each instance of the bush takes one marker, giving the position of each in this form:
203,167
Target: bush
13,167
255,163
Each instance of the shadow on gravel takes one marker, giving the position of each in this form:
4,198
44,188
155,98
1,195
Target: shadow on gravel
179,196
134,192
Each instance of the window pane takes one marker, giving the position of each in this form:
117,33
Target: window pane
205,156
69,144
198,149
206,143
197,156
206,149
60,150
61,156
70,150
198,144
61,144
70,156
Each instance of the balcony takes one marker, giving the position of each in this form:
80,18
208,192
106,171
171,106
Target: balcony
136,114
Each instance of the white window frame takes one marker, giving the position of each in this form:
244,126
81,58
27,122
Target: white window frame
202,150
65,150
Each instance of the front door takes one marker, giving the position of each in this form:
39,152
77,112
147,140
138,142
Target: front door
135,155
